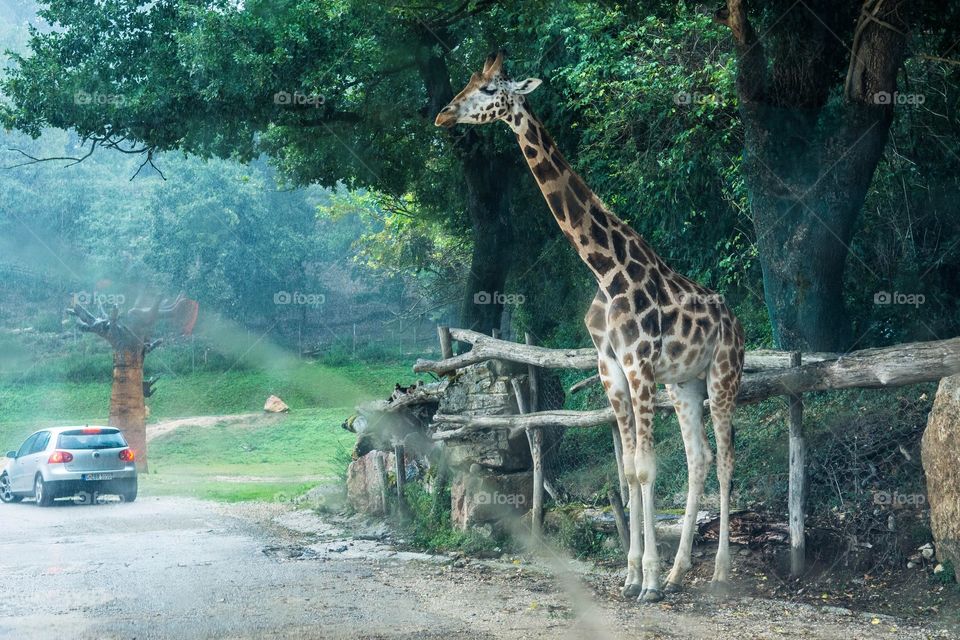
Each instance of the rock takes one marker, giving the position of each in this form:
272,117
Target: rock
940,450
938,569
275,405
486,498
911,565
365,484
926,551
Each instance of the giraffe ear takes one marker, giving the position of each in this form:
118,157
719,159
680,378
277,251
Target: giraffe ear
525,86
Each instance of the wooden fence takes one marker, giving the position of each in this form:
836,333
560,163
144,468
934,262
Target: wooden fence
766,374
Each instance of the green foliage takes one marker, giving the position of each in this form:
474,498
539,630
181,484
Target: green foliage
427,524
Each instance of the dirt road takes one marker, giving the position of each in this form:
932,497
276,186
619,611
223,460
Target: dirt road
179,568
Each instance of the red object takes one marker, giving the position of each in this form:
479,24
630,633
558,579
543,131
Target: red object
92,430
127,455
60,456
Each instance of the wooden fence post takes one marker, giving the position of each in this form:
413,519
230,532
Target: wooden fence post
623,528
381,472
400,466
796,499
618,454
446,346
535,437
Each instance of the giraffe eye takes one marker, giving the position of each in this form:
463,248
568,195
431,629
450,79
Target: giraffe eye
489,90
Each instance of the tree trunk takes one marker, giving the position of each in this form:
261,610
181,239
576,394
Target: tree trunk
811,146
488,176
127,407
806,191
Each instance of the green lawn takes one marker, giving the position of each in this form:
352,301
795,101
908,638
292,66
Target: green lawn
264,458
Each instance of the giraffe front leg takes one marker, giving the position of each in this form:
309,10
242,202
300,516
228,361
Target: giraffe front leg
618,393
643,389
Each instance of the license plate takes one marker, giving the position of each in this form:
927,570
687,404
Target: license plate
98,476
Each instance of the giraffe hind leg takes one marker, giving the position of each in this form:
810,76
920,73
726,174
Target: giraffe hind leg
687,398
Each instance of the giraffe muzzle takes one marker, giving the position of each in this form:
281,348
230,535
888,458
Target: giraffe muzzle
446,118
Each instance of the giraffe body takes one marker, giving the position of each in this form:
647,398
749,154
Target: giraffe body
649,324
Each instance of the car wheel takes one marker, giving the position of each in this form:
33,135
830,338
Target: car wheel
129,490
42,492
6,492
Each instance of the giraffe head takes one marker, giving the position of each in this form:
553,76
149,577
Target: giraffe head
490,95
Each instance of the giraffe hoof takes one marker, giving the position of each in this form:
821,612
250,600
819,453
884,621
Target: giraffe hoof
651,595
630,591
673,587
720,589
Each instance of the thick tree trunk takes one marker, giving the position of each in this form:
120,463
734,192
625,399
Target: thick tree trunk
127,407
809,155
806,193
488,176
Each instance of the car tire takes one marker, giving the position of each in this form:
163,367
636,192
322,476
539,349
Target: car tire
6,494
128,490
43,492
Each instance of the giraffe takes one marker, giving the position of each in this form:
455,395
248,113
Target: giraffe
649,324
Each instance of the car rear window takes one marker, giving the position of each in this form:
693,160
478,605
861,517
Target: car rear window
91,439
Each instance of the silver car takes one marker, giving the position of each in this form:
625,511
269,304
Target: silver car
63,462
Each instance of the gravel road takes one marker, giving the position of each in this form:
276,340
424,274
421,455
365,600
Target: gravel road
179,568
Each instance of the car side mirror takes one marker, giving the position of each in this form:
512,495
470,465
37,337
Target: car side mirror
11,454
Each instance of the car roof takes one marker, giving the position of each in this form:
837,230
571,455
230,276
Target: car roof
73,428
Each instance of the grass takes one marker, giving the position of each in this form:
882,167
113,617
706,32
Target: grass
268,458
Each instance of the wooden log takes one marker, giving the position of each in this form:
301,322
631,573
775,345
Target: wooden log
623,529
797,491
487,348
895,366
446,345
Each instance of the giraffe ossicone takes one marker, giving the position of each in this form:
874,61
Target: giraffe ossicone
650,325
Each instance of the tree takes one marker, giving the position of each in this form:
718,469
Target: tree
816,122
130,335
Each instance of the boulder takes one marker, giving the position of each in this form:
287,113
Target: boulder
940,451
365,483
483,497
275,405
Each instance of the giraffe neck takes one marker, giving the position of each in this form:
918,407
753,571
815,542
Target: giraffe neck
605,243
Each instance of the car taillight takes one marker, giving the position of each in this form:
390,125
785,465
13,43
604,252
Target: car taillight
60,456
92,430
127,455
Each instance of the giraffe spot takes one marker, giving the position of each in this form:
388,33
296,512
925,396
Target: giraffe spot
675,348
529,151
516,119
617,286
652,288
690,358
644,394
635,271
595,319
628,359
640,301
714,312
635,252
620,306
630,331
686,325
544,171
579,189
558,160
576,211
532,134
584,240
599,234
649,323
619,246
600,263
668,320
556,203
644,349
